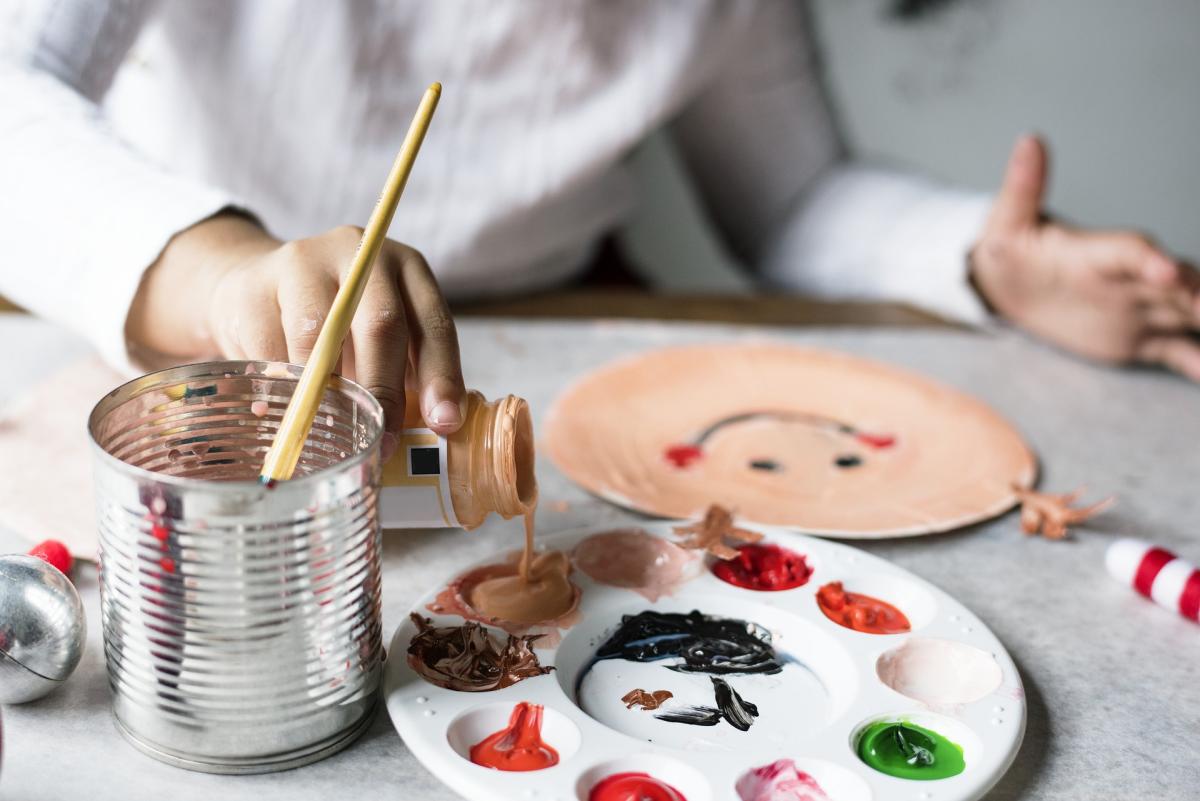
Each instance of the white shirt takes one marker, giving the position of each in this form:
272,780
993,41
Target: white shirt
123,122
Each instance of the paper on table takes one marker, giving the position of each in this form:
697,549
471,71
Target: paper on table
45,463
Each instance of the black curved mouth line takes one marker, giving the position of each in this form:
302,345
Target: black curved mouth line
815,420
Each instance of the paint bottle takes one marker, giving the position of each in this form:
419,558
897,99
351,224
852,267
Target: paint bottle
457,481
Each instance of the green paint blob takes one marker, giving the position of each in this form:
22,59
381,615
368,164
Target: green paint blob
908,751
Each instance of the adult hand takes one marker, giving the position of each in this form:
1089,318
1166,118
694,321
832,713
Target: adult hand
227,287
1107,295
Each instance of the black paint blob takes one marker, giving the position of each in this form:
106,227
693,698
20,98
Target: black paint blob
715,646
712,645
731,708
848,460
765,464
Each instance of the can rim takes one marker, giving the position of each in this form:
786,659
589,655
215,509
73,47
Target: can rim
218,369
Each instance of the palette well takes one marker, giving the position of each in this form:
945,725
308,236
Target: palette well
745,694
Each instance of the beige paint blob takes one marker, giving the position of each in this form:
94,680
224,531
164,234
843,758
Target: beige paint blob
939,673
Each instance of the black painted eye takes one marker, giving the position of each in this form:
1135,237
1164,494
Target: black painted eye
847,460
765,464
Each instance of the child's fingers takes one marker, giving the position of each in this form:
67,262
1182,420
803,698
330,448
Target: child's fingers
435,344
379,333
305,295
261,333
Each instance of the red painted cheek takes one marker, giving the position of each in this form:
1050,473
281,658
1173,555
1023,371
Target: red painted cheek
876,440
683,456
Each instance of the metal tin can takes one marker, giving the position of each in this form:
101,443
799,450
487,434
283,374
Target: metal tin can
242,624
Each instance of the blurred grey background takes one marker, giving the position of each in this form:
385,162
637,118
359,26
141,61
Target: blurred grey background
1113,85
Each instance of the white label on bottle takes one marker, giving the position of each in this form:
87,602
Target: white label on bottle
416,483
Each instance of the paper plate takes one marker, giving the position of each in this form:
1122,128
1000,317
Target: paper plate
955,678
823,442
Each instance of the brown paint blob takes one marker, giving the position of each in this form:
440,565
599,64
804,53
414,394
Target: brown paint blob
710,534
646,700
634,559
467,658
860,612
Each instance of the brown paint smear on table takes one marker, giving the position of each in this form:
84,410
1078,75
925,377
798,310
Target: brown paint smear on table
468,659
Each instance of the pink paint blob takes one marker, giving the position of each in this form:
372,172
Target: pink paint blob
259,408
779,781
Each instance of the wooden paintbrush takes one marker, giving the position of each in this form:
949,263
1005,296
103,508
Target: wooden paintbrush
298,419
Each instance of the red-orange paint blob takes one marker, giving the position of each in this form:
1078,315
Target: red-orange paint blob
764,567
860,612
633,787
519,746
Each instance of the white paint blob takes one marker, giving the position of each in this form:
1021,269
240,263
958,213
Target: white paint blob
939,673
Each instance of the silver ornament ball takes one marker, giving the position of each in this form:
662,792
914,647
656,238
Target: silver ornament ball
42,628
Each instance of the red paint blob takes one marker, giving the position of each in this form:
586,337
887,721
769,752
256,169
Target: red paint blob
683,455
633,787
876,440
860,612
55,553
764,567
519,746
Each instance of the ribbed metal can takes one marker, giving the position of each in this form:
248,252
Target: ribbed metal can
242,624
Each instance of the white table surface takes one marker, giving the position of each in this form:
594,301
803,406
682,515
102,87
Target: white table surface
1112,682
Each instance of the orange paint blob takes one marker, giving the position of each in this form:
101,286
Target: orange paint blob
519,746
860,612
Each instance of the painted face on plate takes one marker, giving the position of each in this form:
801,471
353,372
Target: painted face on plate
819,441
789,445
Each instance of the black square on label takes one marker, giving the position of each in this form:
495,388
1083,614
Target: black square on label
424,462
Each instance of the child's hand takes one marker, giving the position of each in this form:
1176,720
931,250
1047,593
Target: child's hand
1109,296
225,286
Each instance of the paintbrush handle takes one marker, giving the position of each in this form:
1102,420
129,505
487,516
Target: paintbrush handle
302,409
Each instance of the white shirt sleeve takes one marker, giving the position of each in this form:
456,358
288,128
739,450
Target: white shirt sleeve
81,214
762,149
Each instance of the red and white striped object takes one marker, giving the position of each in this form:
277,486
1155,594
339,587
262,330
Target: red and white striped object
1157,574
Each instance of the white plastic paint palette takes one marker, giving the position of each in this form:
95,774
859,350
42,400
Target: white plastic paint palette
949,674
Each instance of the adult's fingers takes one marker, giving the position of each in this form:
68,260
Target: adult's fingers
1178,352
1019,201
379,333
1129,256
435,345
1167,316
